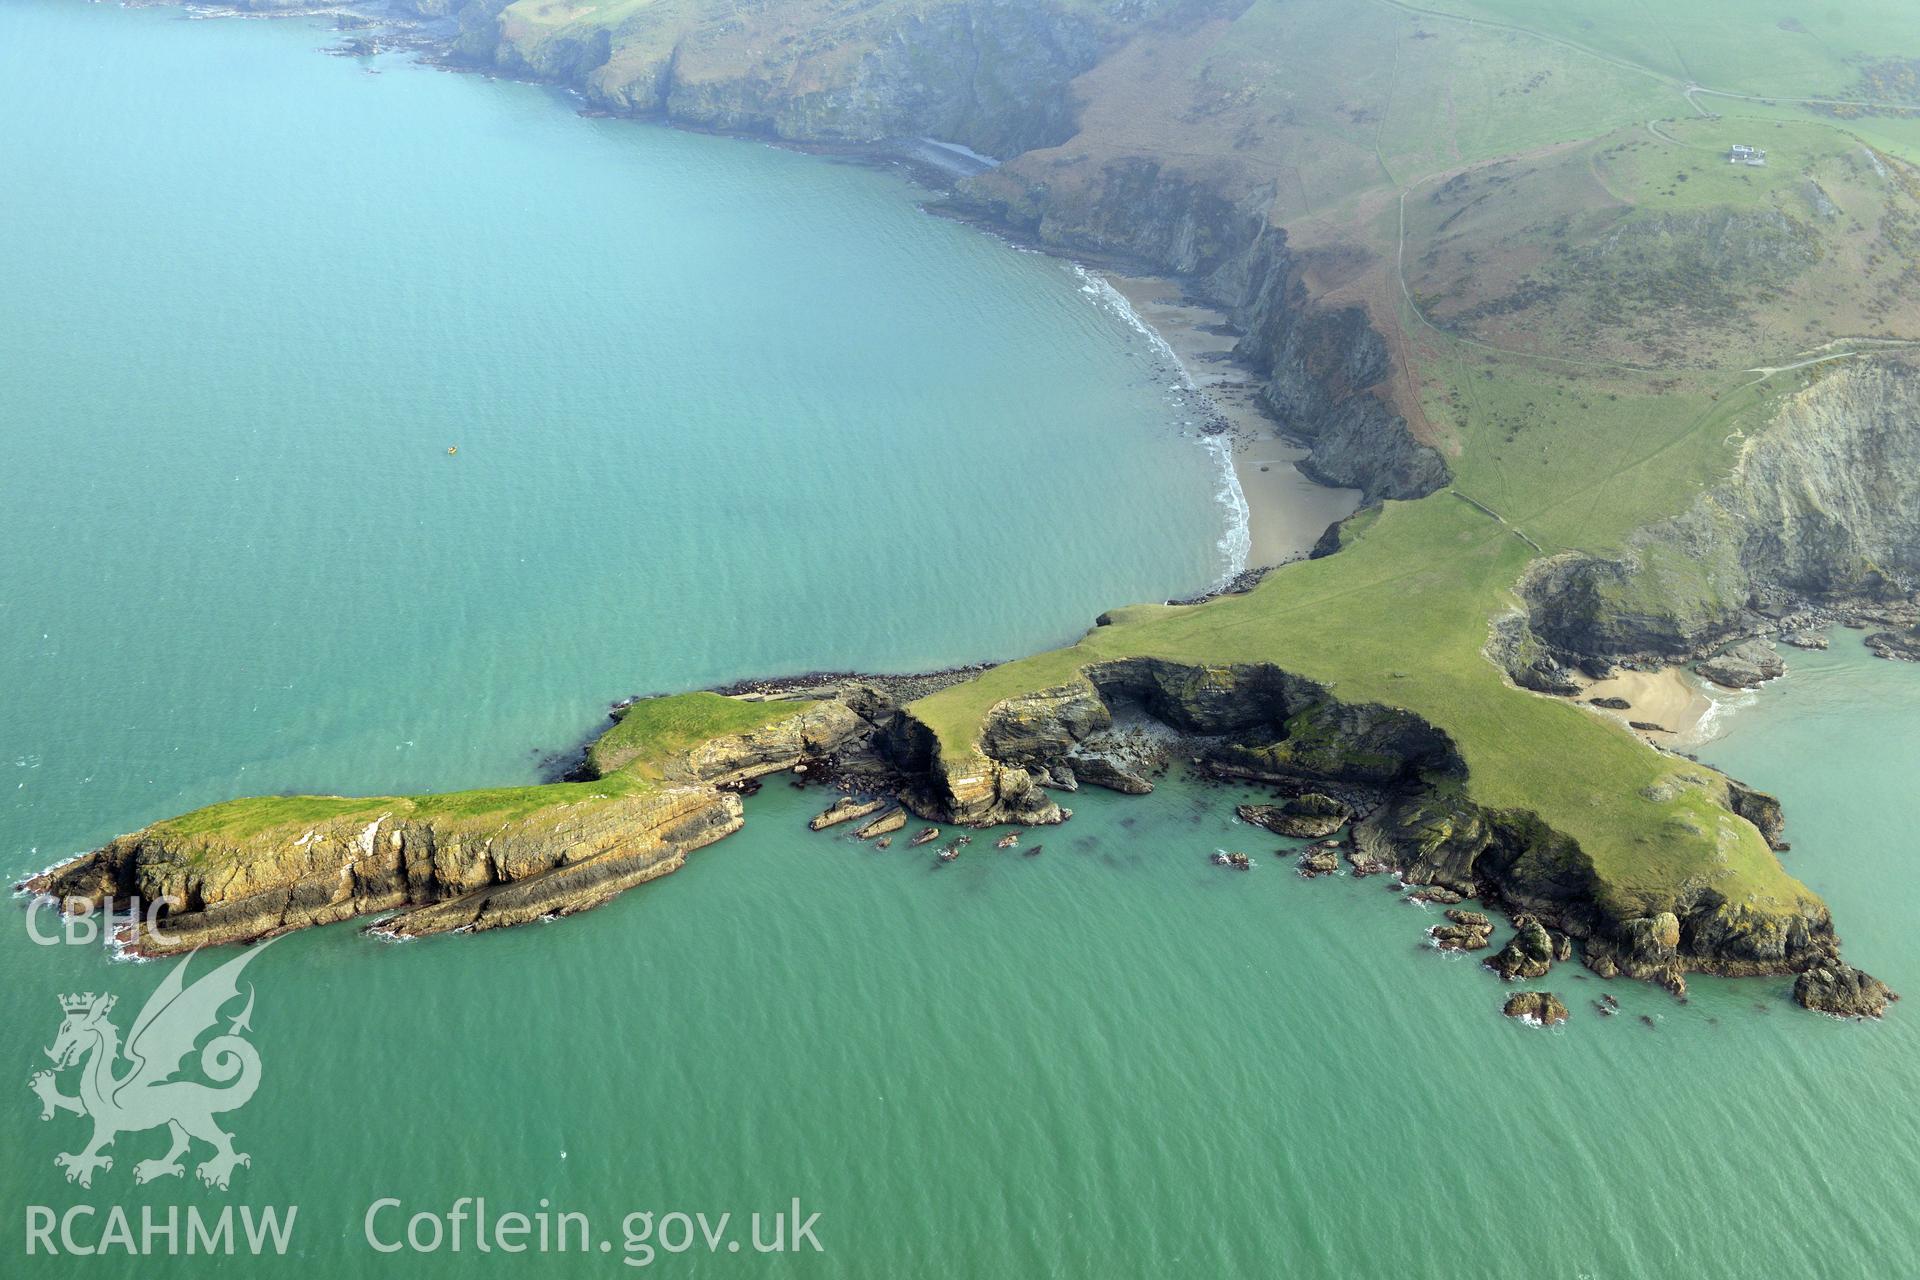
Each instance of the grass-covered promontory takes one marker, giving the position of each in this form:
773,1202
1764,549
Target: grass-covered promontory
629,760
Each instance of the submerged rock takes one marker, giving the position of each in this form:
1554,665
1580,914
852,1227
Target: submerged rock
1542,1008
1842,990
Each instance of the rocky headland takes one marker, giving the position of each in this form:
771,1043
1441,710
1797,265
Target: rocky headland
1816,520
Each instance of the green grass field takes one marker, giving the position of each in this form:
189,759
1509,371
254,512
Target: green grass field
629,757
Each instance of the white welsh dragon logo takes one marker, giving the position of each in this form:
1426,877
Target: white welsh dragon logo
146,1095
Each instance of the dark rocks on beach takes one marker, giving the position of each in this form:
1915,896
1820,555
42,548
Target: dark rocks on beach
1611,704
1648,726
1528,953
1842,990
1540,1007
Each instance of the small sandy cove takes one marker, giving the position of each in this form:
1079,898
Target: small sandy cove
1668,697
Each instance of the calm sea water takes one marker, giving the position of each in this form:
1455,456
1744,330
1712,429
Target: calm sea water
723,410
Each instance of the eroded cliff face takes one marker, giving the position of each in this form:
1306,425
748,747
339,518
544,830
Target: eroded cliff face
1823,507
1326,371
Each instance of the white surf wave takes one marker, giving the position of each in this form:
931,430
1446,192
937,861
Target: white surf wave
1236,543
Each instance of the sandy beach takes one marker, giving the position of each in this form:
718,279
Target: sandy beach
1669,697
1287,512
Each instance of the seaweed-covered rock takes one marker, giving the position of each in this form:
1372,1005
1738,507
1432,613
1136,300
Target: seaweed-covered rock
1542,1008
1842,990
1309,817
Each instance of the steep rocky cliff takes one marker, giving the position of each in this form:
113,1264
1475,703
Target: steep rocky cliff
1823,507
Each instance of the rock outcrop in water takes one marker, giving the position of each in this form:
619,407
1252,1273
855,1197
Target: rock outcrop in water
1843,991
1542,1008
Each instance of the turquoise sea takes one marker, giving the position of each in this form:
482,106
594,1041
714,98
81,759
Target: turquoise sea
722,410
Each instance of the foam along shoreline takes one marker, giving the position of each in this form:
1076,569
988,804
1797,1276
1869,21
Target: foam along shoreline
1284,512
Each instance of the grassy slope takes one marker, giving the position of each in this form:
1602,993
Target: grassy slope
654,729
651,732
